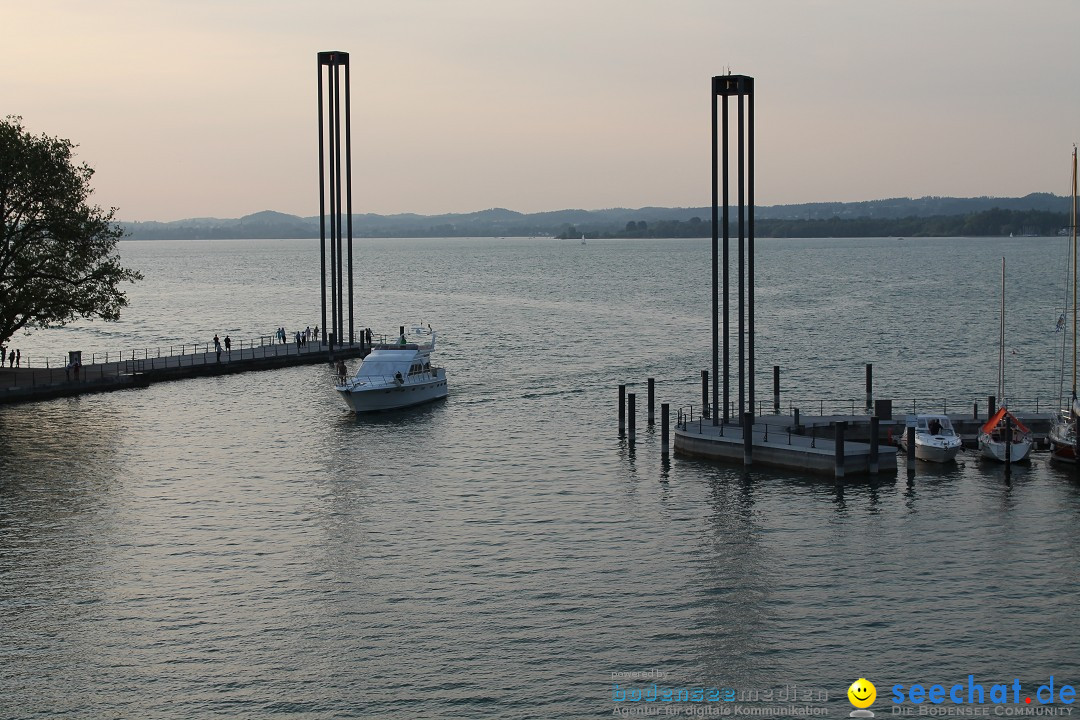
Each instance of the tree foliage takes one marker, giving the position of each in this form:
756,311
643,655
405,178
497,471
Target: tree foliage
58,256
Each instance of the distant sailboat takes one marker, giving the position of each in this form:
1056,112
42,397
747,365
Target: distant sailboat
1063,432
582,238
1003,437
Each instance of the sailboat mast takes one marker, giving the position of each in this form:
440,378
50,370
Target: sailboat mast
1074,268
1001,341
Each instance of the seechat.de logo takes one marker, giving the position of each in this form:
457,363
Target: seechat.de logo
862,694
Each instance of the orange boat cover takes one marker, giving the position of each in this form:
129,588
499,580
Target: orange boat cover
992,423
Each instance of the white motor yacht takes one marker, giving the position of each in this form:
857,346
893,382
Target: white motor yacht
935,438
395,375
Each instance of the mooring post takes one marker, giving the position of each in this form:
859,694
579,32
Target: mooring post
652,389
991,406
622,410
796,418
875,428
839,428
631,400
1008,441
776,389
1076,445
748,438
975,410
664,429
911,446
705,393
869,385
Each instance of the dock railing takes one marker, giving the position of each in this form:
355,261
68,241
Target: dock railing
148,353
111,369
825,407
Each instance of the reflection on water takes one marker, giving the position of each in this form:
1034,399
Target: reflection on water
244,546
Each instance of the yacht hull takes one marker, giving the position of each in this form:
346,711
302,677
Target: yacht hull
995,449
378,398
935,453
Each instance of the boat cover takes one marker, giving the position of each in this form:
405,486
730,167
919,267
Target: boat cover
992,423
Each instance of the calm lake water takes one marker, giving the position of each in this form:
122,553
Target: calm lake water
243,547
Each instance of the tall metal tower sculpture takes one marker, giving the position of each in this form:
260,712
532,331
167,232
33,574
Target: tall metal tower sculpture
742,88
330,188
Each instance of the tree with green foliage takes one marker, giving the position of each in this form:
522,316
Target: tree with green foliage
58,257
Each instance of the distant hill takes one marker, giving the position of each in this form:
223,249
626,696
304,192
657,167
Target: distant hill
803,220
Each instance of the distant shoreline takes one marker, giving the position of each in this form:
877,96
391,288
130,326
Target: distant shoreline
1037,214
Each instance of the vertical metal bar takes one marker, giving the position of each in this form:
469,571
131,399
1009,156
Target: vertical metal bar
727,271
705,393
330,329
1008,441
742,253
348,191
869,385
715,263
750,238
341,269
840,427
776,389
748,438
652,396
322,196
875,431
664,429
622,410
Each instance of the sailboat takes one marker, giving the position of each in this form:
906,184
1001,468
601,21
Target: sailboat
1063,432
1003,437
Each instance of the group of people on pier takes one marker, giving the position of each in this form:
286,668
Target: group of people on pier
14,357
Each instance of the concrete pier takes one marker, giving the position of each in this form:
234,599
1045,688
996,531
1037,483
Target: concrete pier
807,443
774,445
30,384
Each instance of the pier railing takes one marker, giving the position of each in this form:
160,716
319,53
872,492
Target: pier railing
904,406
857,406
115,373
145,353
108,357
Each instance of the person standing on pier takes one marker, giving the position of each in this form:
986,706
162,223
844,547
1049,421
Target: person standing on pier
228,345
18,358
11,359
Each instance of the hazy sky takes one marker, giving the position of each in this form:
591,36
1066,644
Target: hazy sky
191,108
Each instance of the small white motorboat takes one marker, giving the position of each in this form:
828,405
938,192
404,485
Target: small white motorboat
395,375
935,438
992,438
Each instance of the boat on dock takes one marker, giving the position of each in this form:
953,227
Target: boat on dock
935,438
1063,433
994,442
395,375
1003,437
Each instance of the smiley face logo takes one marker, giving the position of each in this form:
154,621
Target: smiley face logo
862,693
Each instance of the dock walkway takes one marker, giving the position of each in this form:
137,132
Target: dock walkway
30,384
775,444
